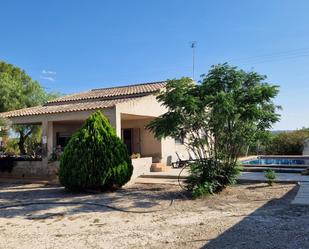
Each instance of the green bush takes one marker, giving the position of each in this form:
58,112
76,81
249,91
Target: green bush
209,176
95,158
288,143
271,176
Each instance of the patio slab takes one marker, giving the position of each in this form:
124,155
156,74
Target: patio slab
302,197
244,176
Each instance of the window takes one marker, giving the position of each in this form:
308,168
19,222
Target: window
179,140
63,139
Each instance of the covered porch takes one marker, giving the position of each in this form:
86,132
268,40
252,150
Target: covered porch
57,129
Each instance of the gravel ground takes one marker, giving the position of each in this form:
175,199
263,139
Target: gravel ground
153,216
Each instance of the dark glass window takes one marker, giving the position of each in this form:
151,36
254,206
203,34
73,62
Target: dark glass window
62,139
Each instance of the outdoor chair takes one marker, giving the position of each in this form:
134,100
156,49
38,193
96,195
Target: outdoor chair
181,160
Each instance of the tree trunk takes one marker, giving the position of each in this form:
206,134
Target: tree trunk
21,144
22,139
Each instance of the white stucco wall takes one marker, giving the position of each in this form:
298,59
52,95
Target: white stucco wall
146,106
149,145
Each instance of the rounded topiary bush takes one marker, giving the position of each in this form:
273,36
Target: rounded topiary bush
95,158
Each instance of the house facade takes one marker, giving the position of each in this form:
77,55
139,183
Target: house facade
128,108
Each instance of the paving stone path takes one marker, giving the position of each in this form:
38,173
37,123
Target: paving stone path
302,197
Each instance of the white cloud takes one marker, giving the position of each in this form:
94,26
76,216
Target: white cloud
48,72
48,75
47,78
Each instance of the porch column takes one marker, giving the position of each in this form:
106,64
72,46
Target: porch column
47,137
115,121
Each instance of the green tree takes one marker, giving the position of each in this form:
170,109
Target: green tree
3,127
18,90
95,157
228,110
288,143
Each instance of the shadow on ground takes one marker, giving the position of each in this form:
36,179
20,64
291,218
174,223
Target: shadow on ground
277,224
131,199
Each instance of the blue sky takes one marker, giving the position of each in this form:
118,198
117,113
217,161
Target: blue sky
71,46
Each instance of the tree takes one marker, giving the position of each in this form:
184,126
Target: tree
3,127
288,143
228,110
18,90
95,157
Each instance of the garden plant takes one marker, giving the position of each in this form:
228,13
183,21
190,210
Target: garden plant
228,109
95,158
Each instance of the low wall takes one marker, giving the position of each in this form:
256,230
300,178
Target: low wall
141,166
32,169
42,169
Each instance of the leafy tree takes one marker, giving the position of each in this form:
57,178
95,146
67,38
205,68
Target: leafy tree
3,127
18,90
228,110
288,143
95,158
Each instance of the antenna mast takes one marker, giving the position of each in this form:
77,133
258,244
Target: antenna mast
193,45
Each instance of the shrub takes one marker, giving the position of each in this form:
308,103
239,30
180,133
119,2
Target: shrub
95,158
288,143
271,176
208,177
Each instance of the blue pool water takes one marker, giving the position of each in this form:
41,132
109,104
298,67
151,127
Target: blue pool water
275,161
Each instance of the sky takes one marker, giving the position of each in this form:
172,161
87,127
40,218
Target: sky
72,46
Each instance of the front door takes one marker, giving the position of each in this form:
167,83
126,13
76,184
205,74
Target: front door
127,139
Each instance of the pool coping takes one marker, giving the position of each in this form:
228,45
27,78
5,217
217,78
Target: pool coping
300,157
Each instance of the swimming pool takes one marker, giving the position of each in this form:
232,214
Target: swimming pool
278,160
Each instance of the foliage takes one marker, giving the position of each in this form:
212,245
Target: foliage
17,91
11,146
229,109
288,143
207,177
135,155
271,176
55,155
3,127
95,158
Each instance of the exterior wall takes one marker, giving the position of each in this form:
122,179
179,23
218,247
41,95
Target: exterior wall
306,147
149,145
161,151
32,169
169,149
64,127
145,106
141,166
41,170
47,121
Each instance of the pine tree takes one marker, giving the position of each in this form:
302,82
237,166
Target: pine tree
95,158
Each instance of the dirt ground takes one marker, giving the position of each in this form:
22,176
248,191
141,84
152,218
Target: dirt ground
152,216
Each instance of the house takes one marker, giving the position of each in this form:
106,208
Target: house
128,108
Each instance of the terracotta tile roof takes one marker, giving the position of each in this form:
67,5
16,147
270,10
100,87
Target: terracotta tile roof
113,92
91,100
69,107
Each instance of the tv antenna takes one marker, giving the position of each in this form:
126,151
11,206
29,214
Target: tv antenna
193,46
